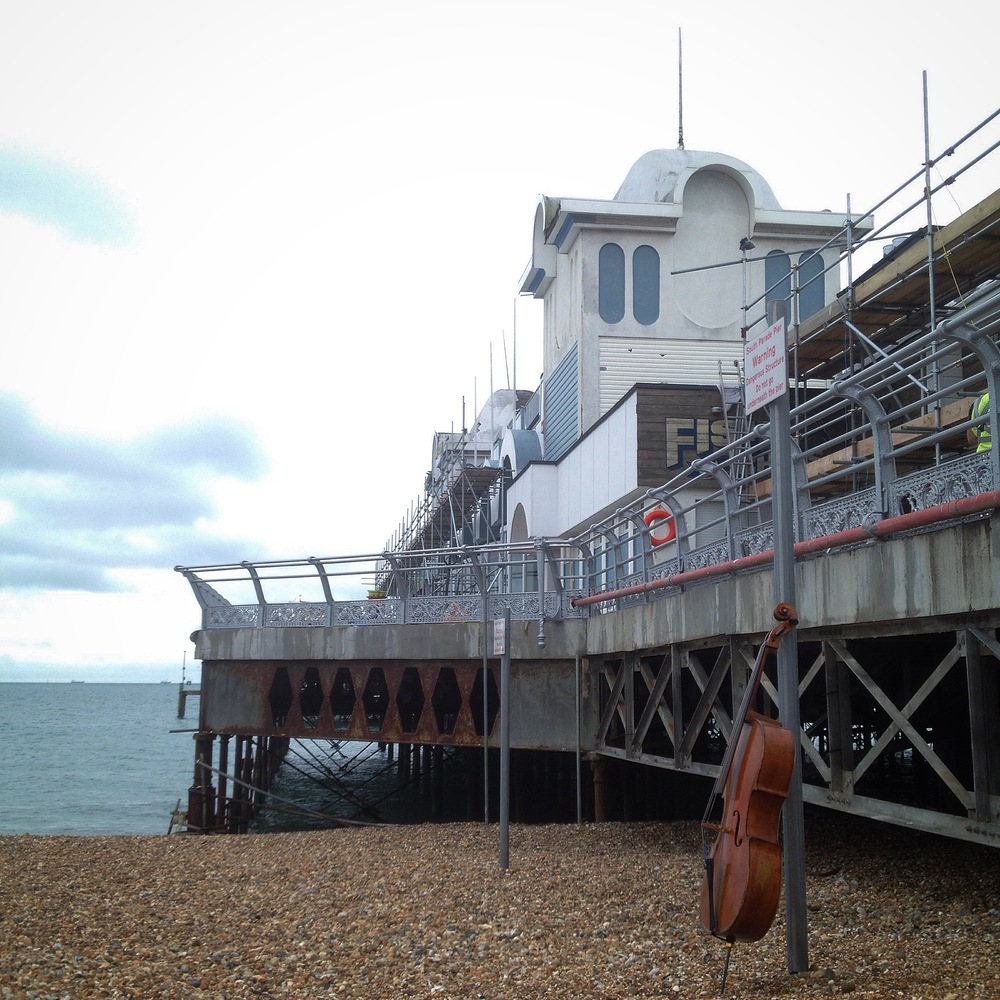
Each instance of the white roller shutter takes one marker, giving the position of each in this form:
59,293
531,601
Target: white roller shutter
628,360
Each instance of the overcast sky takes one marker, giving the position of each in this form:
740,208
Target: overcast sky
252,255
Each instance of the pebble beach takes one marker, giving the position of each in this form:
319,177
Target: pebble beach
421,911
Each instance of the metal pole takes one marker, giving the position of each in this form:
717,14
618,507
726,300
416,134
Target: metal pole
930,213
579,749
486,730
505,744
796,934
540,564
935,373
481,579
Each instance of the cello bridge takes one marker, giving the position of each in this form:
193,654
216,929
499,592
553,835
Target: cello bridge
717,827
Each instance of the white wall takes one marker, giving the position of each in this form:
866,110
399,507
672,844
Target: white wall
598,473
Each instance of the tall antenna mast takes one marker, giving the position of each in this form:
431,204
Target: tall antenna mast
514,347
680,92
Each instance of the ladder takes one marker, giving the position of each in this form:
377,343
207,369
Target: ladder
737,423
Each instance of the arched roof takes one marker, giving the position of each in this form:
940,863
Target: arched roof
659,176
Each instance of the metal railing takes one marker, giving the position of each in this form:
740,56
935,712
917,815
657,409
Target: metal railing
883,443
434,585
908,214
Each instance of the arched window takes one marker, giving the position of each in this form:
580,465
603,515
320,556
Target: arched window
811,297
611,283
778,280
646,285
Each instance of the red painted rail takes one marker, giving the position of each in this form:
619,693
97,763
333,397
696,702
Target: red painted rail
887,526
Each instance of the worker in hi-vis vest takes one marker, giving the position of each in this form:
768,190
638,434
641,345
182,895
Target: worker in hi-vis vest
981,436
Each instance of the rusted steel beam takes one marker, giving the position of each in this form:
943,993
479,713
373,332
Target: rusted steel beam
390,701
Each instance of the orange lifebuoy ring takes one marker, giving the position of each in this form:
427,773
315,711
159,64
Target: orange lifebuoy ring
661,515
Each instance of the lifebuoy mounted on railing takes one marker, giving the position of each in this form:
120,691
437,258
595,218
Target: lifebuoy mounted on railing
661,515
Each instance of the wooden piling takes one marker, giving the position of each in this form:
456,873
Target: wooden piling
599,767
220,810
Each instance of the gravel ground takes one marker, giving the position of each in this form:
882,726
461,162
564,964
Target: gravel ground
425,911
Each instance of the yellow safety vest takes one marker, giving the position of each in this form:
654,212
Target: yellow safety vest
984,432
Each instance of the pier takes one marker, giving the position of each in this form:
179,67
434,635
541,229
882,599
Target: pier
185,691
633,630
898,701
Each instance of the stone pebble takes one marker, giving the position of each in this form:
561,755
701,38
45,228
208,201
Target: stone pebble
425,911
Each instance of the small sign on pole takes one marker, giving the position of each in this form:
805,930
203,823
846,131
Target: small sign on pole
499,636
766,367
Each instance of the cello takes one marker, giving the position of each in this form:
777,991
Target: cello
742,885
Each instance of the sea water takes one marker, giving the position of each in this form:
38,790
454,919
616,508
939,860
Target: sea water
87,759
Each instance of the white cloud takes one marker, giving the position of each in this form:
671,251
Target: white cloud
77,503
